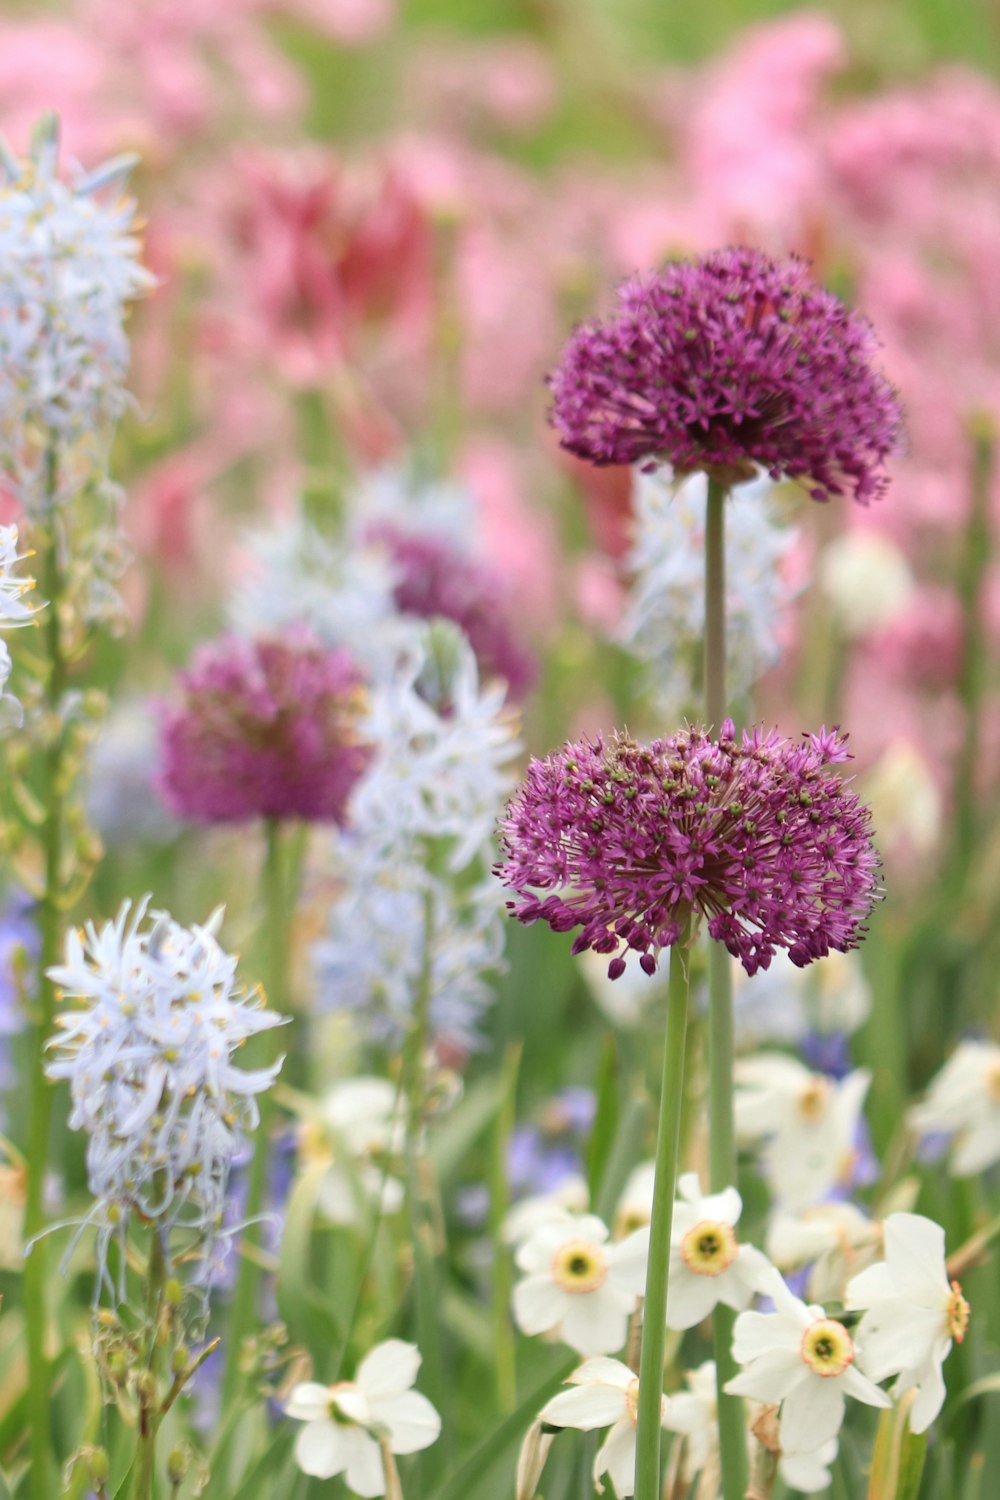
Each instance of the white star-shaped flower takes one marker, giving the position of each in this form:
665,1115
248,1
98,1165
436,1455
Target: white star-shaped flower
606,1395
799,1357
808,1121
578,1286
707,1263
345,1422
964,1101
913,1314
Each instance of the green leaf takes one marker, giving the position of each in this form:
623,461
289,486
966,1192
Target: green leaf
453,1137
300,1302
606,1117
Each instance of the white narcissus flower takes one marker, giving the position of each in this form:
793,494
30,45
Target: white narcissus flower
964,1101
837,1238
913,1314
707,1263
808,1122
363,1117
578,1286
536,1211
635,1206
606,1395
344,1422
694,1414
798,1356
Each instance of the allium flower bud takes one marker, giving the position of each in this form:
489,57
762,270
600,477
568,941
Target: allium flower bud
267,729
731,364
759,837
148,1055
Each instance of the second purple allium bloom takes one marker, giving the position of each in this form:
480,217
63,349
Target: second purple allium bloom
266,729
731,364
627,842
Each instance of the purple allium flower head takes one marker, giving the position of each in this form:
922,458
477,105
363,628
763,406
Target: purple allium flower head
758,836
437,580
266,729
731,363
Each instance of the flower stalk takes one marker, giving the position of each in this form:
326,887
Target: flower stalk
647,1471
722,1143
277,905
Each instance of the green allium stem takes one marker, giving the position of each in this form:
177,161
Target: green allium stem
277,908
722,1145
648,1434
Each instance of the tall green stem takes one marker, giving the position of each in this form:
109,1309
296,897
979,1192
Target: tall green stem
150,1414
277,914
40,1090
722,1143
654,1316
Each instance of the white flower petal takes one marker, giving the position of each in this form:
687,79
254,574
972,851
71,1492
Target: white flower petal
896,1336
607,1371
862,1389
364,1470
812,1414
308,1402
690,1298
412,1421
616,1458
539,1304
390,1367
930,1397
585,1407
319,1449
771,1376
596,1322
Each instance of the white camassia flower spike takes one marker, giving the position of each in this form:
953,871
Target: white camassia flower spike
964,1101
707,1263
344,1422
605,1394
913,1314
798,1356
578,1286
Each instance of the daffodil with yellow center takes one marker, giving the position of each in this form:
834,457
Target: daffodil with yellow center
913,1313
605,1394
578,1286
708,1265
800,1358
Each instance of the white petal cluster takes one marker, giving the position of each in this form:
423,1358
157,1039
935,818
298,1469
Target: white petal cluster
578,1286
605,1394
148,1055
799,1357
836,1240
664,622
707,1263
807,1123
913,1314
345,1422
69,266
963,1102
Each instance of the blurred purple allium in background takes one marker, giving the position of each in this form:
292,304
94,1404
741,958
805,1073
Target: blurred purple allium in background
438,580
266,729
732,363
757,836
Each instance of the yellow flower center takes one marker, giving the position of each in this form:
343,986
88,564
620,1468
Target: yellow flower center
632,1400
579,1266
812,1100
709,1248
827,1347
958,1313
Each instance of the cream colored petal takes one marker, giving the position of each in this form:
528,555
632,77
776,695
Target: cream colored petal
585,1407
308,1402
412,1421
390,1367
319,1449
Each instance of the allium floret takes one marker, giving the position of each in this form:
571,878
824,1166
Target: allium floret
732,363
629,842
266,729
148,1055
